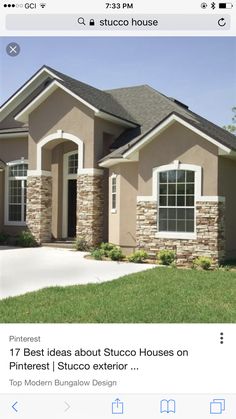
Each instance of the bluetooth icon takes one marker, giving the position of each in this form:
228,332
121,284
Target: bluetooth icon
213,5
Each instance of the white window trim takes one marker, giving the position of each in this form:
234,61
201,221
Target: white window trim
176,165
113,176
6,209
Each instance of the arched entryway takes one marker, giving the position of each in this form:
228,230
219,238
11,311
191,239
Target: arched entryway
47,192
52,187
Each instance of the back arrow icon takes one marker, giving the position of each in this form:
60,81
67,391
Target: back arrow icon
67,406
14,407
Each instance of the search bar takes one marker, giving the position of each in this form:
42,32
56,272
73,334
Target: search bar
105,22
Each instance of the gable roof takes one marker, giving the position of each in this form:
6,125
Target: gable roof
150,108
99,100
141,108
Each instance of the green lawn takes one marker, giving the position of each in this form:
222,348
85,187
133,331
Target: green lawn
159,295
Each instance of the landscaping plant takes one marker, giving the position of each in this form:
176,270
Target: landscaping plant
106,248
202,262
116,254
3,238
81,245
26,239
97,254
138,257
166,257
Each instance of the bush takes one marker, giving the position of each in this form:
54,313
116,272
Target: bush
107,248
116,254
138,257
3,238
81,245
166,257
202,262
97,254
26,239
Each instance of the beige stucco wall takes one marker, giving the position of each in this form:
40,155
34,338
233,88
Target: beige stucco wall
128,202
122,224
10,149
178,143
60,111
226,185
104,134
13,149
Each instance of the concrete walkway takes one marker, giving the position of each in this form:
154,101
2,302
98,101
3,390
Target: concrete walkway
25,270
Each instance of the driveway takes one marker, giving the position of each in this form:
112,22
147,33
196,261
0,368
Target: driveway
25,270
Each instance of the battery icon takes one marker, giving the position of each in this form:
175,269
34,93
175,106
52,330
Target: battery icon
225,5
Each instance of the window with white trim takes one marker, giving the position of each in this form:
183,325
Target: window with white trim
176,201
113,193
73,164
17,179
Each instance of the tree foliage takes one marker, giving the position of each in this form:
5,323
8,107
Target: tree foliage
232,127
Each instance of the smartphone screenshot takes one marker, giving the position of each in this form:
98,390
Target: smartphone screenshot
117,209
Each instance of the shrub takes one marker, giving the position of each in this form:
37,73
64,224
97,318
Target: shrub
166,257
3,238
26,239
202,262
106,248
116,254
81,245
138,257
97,254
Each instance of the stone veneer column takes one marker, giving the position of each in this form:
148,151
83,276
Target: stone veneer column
39,207
90,202
210,231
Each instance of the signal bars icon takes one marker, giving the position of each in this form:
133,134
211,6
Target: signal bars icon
42,5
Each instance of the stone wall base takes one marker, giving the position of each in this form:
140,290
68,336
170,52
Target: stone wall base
39,207
210,233
90,201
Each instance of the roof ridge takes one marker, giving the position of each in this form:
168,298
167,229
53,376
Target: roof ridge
126,88
72,78
213,123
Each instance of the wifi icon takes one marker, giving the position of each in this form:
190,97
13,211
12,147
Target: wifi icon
42,5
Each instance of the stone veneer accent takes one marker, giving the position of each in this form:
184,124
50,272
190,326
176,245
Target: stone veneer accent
39,207
90,202
210,228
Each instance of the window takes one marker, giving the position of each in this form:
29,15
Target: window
73,164
16,210
176,201
113,192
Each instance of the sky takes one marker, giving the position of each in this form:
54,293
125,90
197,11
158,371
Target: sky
198,71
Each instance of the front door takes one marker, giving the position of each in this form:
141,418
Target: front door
71,208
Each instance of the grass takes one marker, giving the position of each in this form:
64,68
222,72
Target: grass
159,295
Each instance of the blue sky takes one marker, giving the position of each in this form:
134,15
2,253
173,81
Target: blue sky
199,71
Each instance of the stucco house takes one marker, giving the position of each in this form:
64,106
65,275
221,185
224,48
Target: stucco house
129,166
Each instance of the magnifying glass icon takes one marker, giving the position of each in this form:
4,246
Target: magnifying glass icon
81,21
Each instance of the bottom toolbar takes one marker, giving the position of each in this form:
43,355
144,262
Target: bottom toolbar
178,406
